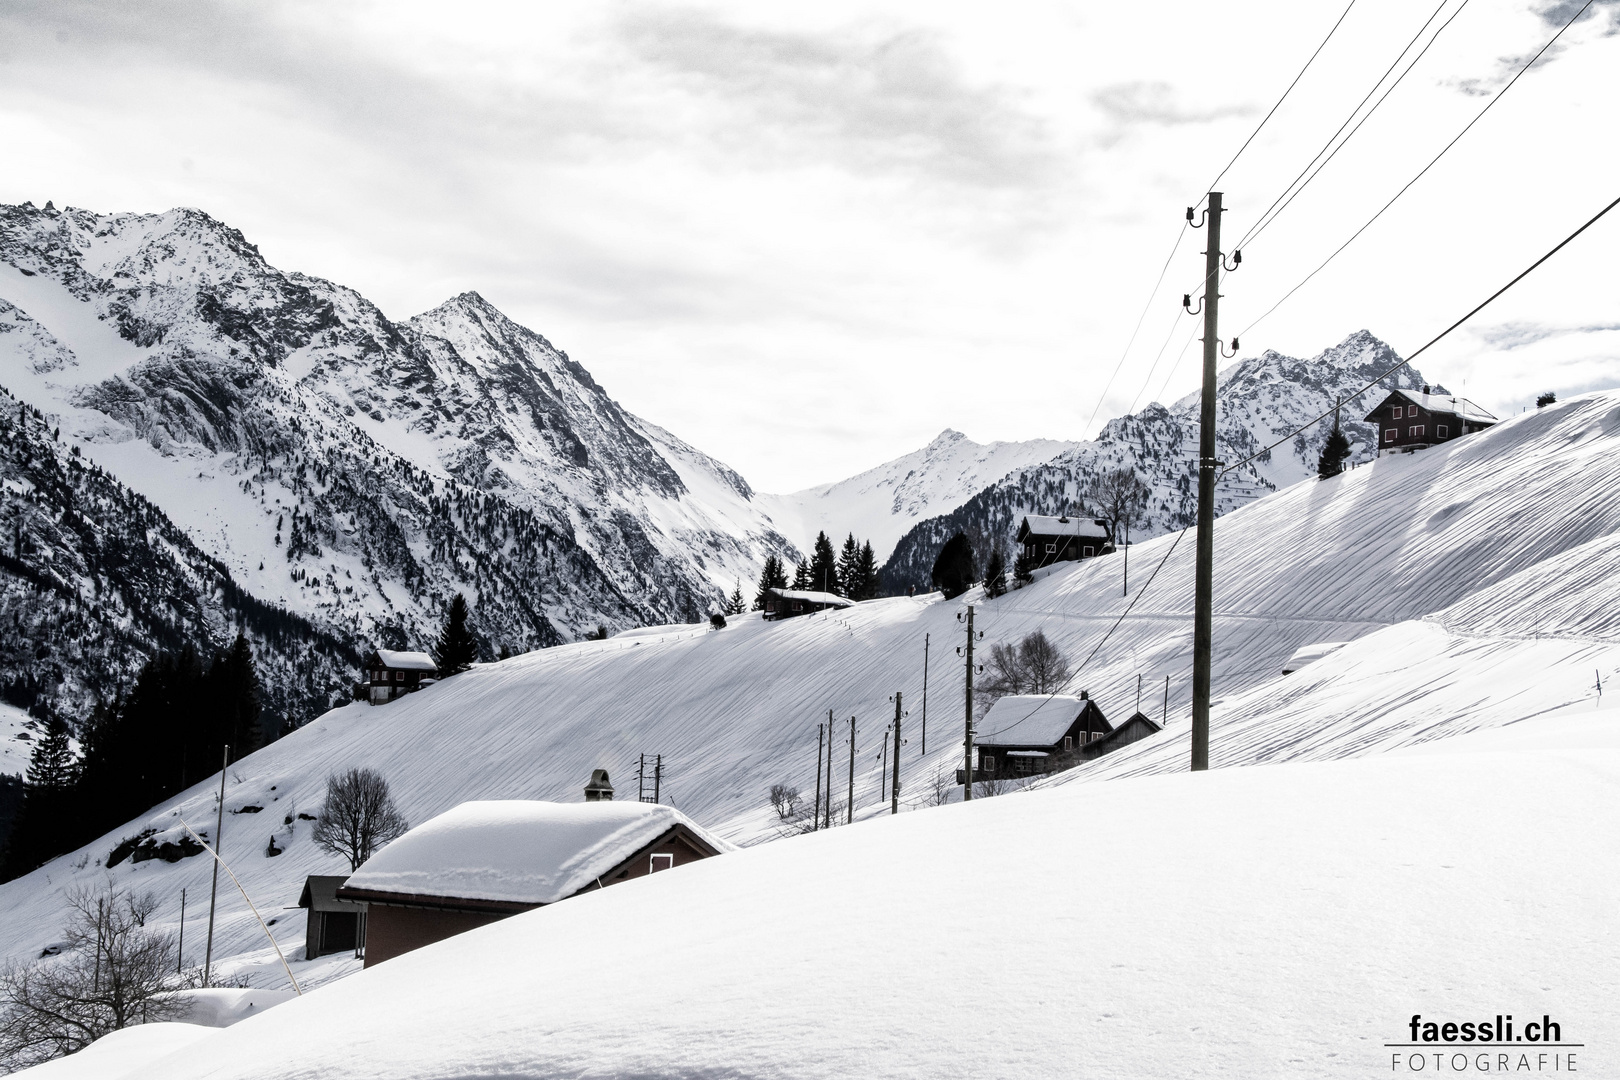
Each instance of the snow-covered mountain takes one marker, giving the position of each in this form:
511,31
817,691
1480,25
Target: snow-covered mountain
354,470
882,504
1260,399
1490,595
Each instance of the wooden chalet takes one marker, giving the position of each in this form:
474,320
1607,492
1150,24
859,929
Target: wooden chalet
1139,726
333,925
391,674
485,861
1048,540
1029,734
786,603
1410,420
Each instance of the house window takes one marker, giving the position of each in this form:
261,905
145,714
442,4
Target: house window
1088,552
399,676
1397,412
987,763
1068,742
1416,432
1389,436
661,862
1051,548
1440,430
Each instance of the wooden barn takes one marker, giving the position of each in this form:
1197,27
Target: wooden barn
786,603
392,674
1408,420
1029,734
485,861
1137,727
1048,540
334,925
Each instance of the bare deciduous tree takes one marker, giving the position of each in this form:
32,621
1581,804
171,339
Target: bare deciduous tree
358,816
785,801
115,972
1033,666
939,788
1119,498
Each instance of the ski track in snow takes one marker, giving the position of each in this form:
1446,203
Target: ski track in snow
1439,565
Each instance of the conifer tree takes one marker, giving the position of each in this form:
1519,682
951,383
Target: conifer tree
457,649
1023,572
771,577
1334,451
866,574
848,559
954,572
801,575
737,605
823,566
235,693
46,823
995,575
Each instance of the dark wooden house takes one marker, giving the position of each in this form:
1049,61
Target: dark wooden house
391,674
1139,726
485,861
1048,540
786,603
334,925
1410,420
1029,734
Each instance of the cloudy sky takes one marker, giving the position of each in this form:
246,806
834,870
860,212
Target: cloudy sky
808,239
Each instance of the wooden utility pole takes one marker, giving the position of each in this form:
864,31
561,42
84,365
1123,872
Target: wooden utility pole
180,949
1166,718
1139,693
925,695
213,891
815,818
894,786
829,767
1204,578
658,776
849,811
967,739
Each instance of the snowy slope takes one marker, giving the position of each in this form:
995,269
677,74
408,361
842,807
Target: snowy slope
1485,535
883,503
1284,921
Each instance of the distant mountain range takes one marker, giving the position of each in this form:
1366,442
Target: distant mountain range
196,442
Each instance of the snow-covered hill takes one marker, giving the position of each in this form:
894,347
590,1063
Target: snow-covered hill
1260,399
355,470
1477,583
1250,922
882,504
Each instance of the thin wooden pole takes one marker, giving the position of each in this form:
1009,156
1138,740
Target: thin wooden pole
815,818
213,891
849,811
925,695
180,949
1166,718
830,741
967,739
894,786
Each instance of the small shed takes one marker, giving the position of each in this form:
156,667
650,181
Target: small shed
1410,420
392,673
1139,726
334,925
1029,734
485,861
1048,540
786,603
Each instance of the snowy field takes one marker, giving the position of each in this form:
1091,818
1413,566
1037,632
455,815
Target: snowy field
1478,584
1284,921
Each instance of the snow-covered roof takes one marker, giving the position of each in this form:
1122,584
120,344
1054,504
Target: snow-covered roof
1028,753
1028,720
406,661
1462,408
1073,526
830,599
1307,654
518,851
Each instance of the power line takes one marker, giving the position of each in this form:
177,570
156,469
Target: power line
1497,97
1274,108
1177,245
1290,193
1384,375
